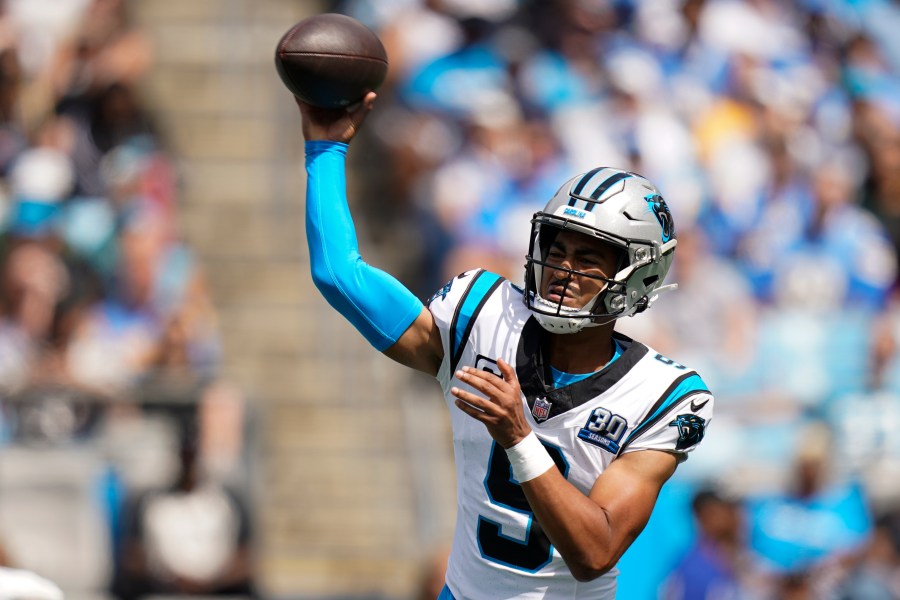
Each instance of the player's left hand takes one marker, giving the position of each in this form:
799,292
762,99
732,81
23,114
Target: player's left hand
501,411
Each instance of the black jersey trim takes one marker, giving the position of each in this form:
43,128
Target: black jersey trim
533,371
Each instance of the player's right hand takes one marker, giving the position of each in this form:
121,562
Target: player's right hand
500,409
334,124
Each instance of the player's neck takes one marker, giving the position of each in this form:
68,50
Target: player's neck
587,351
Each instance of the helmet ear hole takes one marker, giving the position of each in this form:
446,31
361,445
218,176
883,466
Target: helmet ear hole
648,281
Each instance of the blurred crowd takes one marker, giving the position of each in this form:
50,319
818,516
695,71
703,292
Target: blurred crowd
106,324
773,130
98,293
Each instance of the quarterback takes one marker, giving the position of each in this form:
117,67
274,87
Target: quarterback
564,430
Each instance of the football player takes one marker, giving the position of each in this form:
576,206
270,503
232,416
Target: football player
564,430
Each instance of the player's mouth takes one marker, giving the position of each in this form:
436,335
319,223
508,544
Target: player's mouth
560,293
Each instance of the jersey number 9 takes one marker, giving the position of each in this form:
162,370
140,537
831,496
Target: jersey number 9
535,551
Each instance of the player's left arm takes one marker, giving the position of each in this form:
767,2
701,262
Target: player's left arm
590,531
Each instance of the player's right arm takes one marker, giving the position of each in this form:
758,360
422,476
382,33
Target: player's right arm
388,315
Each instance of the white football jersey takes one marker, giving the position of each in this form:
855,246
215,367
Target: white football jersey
640,401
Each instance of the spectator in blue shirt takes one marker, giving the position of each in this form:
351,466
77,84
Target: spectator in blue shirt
711,569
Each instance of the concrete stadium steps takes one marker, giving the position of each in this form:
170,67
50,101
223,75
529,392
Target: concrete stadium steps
353,485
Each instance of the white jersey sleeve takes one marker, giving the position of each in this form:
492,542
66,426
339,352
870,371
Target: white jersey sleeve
455,308
443,303
677,421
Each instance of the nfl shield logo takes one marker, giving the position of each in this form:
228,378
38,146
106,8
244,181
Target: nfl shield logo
541,409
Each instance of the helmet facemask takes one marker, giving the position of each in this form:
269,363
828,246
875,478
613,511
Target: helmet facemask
554,315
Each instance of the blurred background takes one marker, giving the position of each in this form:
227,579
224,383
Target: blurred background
182,414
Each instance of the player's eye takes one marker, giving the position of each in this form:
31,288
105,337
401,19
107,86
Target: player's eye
591,262
556,254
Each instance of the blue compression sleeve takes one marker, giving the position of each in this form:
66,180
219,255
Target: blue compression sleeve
378,305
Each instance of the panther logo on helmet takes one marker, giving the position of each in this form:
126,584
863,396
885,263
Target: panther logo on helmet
661,210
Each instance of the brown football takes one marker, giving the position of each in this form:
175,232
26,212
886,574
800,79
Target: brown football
331,60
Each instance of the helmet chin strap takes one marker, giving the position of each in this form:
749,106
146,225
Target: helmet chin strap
562,323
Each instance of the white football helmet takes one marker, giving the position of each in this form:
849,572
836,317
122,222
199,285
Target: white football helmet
624,210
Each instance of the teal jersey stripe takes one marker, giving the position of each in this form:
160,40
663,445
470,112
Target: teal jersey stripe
476,295
689,385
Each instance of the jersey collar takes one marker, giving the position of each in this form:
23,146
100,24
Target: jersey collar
534,372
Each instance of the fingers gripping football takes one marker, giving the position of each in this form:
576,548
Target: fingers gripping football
335,124
497,403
